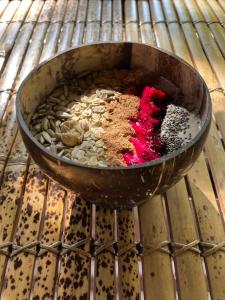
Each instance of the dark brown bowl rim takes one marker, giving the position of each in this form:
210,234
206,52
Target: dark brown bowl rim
158,161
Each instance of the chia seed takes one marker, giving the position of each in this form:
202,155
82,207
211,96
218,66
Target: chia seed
178,127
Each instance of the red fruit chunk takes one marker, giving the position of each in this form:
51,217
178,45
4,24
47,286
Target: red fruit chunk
146,143
149,108
131,159
141,147
141,132
153,93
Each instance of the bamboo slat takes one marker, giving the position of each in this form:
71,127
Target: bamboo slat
9,36
9,128
11,196
191,281
105,261
45,266
15,59
131,20
3,6
68,26
52,36
20,267
129,280
75,268
161,34
157,269
80,25
34,50
146,31
117,20
8,15
218,11
106,28
176,34
214,55
221,2
93,21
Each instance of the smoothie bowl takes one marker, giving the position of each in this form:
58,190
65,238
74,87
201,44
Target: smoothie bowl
116,122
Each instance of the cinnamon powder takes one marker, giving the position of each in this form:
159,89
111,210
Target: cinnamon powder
117,129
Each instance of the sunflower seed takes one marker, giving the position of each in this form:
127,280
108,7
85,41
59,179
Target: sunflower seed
47,137
63,115
45,124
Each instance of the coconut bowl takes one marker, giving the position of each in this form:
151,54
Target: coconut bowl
117,187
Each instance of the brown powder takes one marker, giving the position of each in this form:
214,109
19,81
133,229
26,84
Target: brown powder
117,129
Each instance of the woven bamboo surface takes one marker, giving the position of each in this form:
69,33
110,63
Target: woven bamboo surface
53,245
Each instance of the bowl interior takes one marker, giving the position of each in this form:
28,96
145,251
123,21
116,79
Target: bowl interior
160,69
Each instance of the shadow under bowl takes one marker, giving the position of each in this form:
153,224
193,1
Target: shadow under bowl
117,187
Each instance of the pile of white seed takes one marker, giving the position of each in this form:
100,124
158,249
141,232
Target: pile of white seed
69,122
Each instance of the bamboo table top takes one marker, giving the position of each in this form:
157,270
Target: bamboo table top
53,245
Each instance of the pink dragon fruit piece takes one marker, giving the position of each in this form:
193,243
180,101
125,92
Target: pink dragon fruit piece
149,108
131,159
153,93
141,147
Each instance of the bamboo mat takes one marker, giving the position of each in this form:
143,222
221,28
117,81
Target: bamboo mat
53,245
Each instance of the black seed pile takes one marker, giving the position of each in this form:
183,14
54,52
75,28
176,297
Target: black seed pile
178,127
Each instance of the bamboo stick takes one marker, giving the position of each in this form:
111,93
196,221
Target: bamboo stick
54,30
8,38
131,20
214,55
105,261
222,4
20,267
146,31
106,29
176,34
68,26
75,268
157,270
8,15
3,6
14,62
161,35
8,129
34,50
190,274
93,21
80,24
117,20
200,186
216,8
217,30
45,266
129,281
